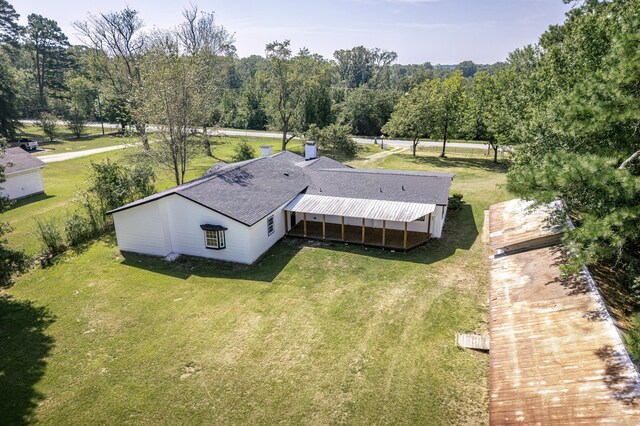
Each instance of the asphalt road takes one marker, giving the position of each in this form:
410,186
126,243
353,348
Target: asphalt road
391,143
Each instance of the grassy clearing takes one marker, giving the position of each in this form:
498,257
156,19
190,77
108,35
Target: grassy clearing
66,142
312,334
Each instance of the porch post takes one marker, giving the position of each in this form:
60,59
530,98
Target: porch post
405,235
429,225
286,221
304,216
384,233
324,227
363,230
342,228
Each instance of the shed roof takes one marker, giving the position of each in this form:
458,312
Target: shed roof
18,160
556,356
358,207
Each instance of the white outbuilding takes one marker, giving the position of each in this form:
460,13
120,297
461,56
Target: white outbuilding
22,171
237,211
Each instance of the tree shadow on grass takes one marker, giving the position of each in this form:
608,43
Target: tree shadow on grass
460,232
24,346
461,162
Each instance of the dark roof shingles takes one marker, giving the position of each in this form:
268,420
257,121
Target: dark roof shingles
250,190
17,160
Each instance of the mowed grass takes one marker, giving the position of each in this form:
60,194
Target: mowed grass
66,142
312,334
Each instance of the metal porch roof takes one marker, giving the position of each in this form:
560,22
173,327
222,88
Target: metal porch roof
396,211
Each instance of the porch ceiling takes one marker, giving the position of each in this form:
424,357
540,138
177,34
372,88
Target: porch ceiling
396,211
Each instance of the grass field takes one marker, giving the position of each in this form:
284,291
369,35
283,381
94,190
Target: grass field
312,334
66,142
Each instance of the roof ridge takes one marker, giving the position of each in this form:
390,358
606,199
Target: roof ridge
386,171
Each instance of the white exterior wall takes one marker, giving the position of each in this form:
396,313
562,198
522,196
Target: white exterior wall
185,218
141,229
172,224
437,221
259,239
22,184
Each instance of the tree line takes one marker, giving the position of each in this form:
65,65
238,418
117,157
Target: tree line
121,66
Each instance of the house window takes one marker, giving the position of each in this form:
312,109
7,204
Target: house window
214,236
270,225
421,219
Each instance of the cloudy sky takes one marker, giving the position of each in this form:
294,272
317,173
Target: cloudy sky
438,31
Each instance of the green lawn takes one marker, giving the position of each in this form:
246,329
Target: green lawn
66,142
312,334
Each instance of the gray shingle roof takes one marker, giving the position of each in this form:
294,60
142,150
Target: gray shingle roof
389,185
250,190
17,160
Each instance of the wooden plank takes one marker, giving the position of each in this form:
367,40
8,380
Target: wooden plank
473,341
363,230
404,245
324,227
384,232
304,216
342,228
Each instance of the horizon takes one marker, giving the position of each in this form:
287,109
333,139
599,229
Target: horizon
443,32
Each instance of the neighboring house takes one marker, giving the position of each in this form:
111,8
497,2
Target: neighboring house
237,211
22,173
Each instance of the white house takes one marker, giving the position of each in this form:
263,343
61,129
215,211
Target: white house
237,211
22,173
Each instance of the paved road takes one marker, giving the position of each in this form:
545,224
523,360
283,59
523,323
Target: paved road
392,143
274,135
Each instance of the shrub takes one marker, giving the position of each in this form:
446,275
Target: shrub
76,123
49,125
243,151
455,201
77,229
50,236
334,140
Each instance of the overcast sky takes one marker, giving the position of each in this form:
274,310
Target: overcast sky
438,31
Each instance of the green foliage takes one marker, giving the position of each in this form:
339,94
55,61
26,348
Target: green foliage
434,108
76,123
455,201
605,202
333,140
114,185
467,68
47,44
11,261
362,66
8,107
243,151
366,110
632,337
49,125
50,236
9,27
412,116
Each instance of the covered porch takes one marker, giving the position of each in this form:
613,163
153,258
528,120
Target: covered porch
376,223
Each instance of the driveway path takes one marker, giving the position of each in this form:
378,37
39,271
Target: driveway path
54,158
